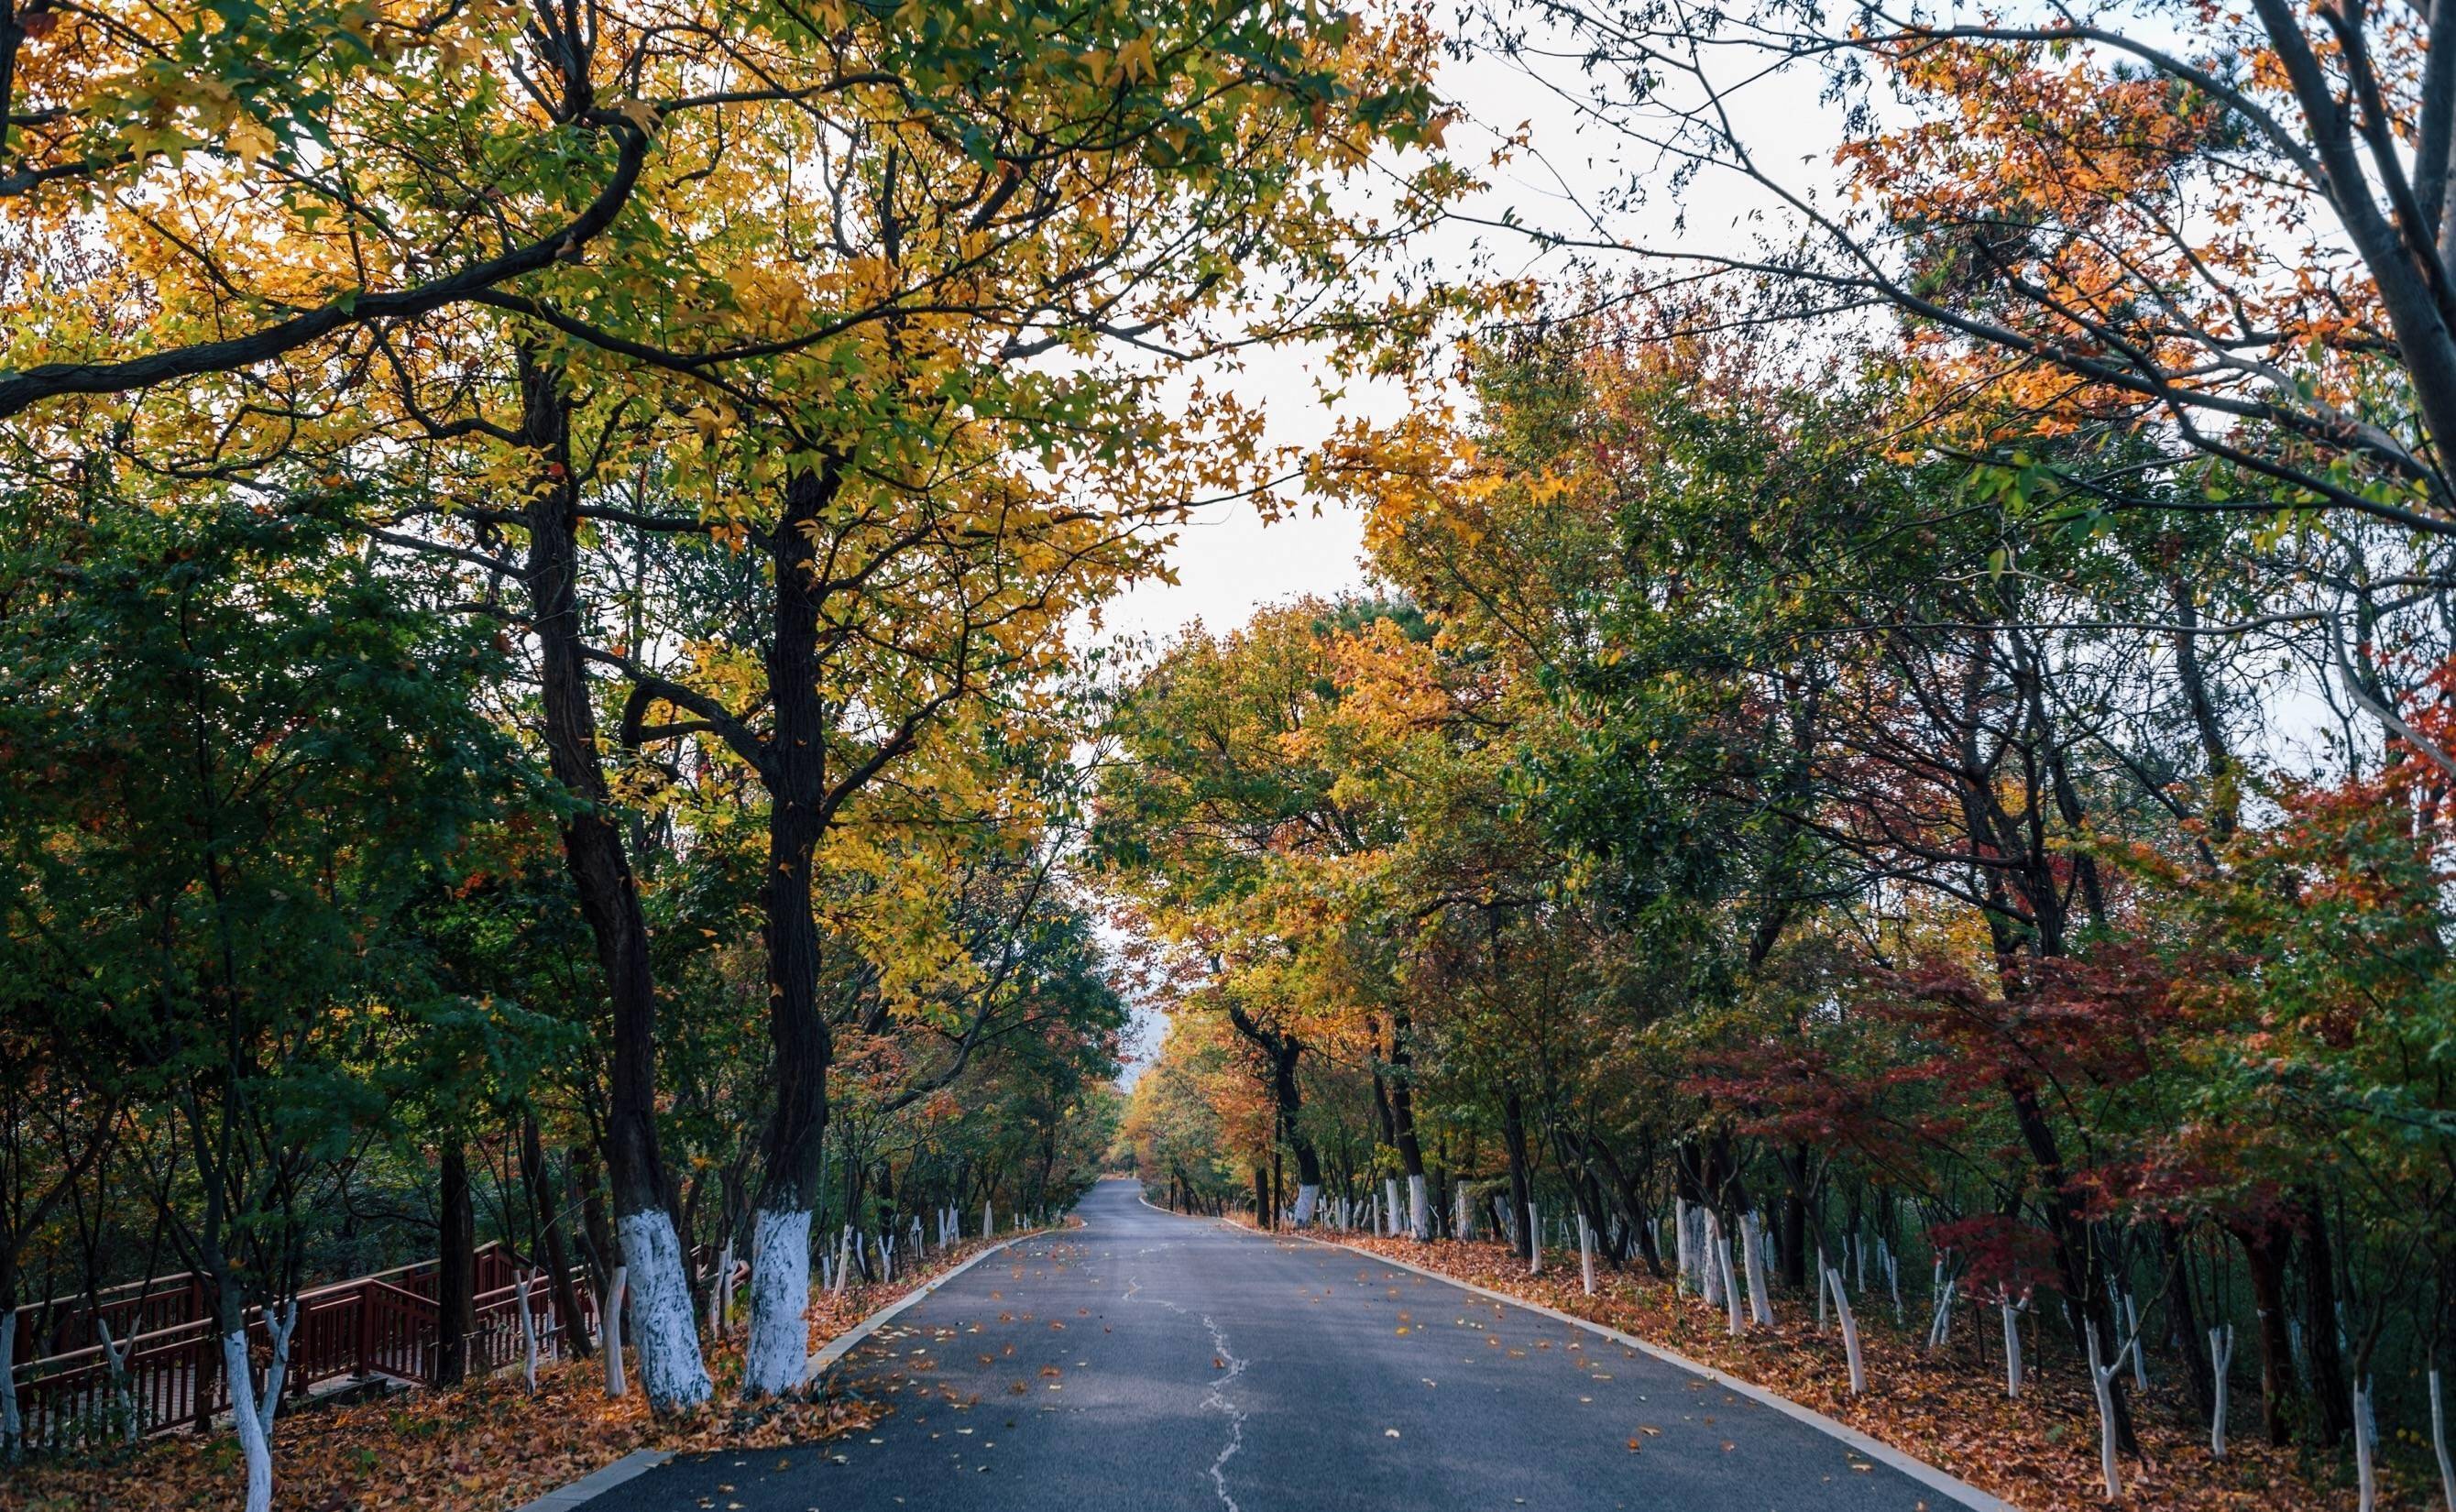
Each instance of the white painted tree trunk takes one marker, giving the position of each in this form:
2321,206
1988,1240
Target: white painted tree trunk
1419,1209
2438,1445
989,1220
2101,1385
609,1318
255,1449
1465,1227
13,1427
1822,1268
1308,1198
252,1414
663,1336
1850,1333
1939,1327
1390,1207
1534,1241
277,1368
720,1297
1753,1245
2012,1344
1893,1268
842,1268
1735,1308
2139,1356
1683,1272
2366,1473
528,1330
778,1343
1859,1256
115,1359
2221,1358
1585,1254
1727,1279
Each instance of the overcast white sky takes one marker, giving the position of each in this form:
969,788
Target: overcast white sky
1229,562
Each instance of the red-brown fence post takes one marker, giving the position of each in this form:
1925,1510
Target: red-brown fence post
200,1379
366,1330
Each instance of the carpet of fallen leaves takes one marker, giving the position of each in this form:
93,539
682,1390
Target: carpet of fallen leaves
484,1447
1949,1408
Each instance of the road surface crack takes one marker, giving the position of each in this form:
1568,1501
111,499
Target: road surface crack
1225,1359
1220,1399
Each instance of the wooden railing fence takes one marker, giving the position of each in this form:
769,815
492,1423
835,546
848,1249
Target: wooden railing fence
375,1326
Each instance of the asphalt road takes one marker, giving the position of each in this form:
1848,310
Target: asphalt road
1150,1361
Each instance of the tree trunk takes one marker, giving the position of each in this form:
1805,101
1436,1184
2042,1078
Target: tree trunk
12,1425
2086,1304
1633,1198
539,1180
2263,1252
1402,1119
1794,1215
2186,1323
2330,1386
596,1230
1287,1101
796,775
1513,1136
666,1345
456,1268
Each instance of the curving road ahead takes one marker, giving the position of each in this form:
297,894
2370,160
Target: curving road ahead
1150,1361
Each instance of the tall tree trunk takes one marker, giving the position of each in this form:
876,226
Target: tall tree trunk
2330,1390
536,1175
664,1334
1632,1201
2263,1254
1403,1118
1288,1100
1513,1136
1794,1215
2187,1322
597,1231
796,775
2085,1303
12,1422
456,1268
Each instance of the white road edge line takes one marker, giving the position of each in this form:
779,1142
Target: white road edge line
1918,1470
590,1487
640,1461
836,1348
